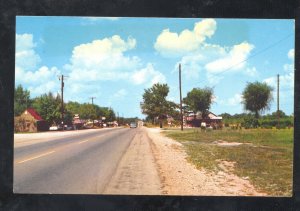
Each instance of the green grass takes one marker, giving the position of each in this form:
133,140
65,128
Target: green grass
266,158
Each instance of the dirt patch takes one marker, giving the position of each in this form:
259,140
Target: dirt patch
228,144
179,177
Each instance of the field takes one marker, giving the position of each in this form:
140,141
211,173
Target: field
264,156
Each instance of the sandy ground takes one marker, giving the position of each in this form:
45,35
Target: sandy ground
179,177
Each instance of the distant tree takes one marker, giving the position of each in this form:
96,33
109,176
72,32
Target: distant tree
225,116
199,100
87,111
49,107
73,107
257,97
155,104
281,114
22,100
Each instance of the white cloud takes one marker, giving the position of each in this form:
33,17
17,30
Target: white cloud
216,60
291,54
290,67
108,52
233,101
102,60
171,44
26,57
286,80
148,74
38,80
43,88
106,60
234,60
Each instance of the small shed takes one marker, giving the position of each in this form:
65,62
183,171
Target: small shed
30,121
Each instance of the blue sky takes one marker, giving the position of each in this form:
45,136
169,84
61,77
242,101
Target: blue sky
115,59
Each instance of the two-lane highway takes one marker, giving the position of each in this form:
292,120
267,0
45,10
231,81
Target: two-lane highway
83,163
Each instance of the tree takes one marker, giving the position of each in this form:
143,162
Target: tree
49,107
155,104
257,97
281,114
87,111
22,100
199,100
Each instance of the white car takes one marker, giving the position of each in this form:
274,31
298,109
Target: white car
133,125
54,127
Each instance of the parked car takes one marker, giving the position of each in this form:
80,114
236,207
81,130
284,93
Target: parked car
133,125
69,127
53,127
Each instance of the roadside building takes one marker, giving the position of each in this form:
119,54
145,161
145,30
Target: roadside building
30,121
192,120
77,122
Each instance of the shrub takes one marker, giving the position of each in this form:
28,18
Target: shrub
250,122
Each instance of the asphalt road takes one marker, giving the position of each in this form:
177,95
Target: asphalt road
79,164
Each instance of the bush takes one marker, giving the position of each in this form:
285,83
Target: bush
284,122
250,122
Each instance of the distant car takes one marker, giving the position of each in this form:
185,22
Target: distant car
133,125
68,127
54,127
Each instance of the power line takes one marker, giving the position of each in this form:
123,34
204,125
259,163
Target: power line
254,55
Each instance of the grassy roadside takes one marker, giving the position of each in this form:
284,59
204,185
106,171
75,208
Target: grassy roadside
266,156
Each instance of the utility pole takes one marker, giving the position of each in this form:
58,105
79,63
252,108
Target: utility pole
93,107
118,117
92,100
278,115
61,78
181,116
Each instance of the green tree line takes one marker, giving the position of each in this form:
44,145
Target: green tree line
49,107
256,98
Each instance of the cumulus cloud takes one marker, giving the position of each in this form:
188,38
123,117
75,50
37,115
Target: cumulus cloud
26,57
102,60
233,101
286,80
291,54
38,80
214,60
106,60
234,60
43,74
148,74
171,44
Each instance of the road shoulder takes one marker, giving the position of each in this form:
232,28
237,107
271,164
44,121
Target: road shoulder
182,178
136,173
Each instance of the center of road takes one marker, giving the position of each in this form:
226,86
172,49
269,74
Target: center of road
82,141
38,156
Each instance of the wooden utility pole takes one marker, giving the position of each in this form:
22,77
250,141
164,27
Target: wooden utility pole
62,100
278,114
93,107
181,116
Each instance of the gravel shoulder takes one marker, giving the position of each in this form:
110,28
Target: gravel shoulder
179,177
136,173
